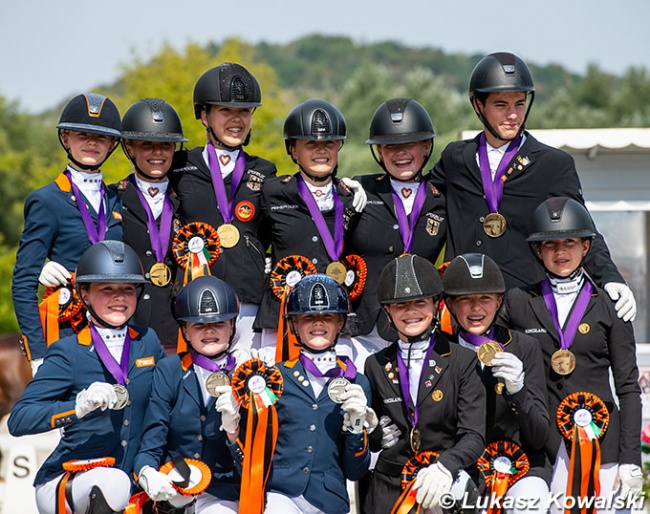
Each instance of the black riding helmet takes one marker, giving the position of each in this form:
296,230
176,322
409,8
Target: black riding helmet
397,121
500,72
560,218
473,273
110,262
206,299
227,84
93,114
314,120
317,294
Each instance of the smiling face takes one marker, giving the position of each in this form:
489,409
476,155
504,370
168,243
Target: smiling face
318,331
318,158
561,257
209,339
412,319
88,149
231,124
112,303
152,158
505,113
475,313
404,161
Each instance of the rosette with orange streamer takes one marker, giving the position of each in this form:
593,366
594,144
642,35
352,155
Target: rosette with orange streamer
75,466
287,273
406,502
582,419
197,479
355,278
196,247
502,464
61,304
257,388
444,314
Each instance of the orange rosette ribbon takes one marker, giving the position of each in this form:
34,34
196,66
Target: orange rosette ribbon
61,304
287,273
406,502
355,278
77,466
257,388
582,419
190,477
502,464
196,247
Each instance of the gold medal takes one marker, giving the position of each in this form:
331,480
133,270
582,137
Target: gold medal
563,362
336,388
122,396
160,274
487,351
494,224
337,271
228,235
414,439
214,380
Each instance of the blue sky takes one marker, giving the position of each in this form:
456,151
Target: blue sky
51,50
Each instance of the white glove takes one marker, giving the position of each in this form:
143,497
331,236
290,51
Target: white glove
360,198
371,421
355,407
390,434
99,395
624,298
266,355
629,480
157,485
508,367
229,409
54,274
268,264
431,483
35,364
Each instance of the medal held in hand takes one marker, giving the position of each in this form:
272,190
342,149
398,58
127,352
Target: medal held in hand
216,380
336,388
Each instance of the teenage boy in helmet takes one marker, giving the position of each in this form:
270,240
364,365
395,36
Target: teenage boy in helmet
309,213
405,209
65,218
494,182
426,391
95,385
323,413
182,418
514,382
583,342
151,130
220,184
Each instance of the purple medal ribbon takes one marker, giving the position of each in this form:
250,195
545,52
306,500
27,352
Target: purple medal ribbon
95,234
333,246
159,239
413,410
223,203
207,363
493,189
577,312
119,371
407,223
345,368
478,340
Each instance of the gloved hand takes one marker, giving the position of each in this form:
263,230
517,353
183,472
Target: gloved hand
624,297
266,355
157,485
35,364
508,367
360,198
431,483
629,480
371,420
390,434
355,408
229,409
268,265
99,395
54,274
